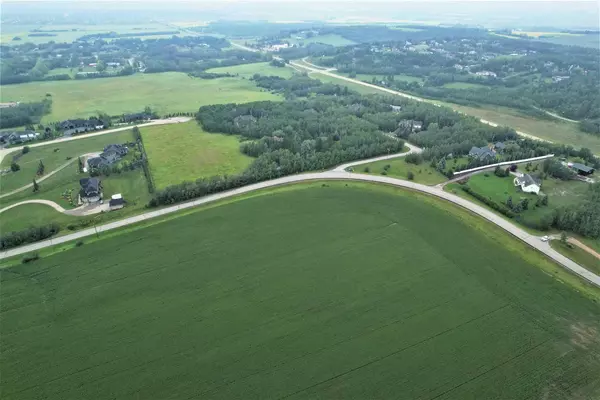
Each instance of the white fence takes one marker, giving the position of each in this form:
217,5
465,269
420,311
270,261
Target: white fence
466,171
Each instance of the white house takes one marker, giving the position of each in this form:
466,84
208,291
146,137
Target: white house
528,184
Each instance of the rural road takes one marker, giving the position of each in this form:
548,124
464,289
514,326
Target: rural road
174,120
395,92
334,174
48,175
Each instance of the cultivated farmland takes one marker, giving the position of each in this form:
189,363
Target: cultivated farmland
165,93
185,152
328,290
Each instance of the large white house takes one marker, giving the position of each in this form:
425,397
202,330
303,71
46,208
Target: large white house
528,184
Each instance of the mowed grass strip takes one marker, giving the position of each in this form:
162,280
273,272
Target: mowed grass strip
53,156
316,291
399,168
185,152
165,93
31,215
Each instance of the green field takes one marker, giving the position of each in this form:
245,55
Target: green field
53,156
330,39
248,70
184,152
27,215
399,168
464,85
341,291
164,93
578,255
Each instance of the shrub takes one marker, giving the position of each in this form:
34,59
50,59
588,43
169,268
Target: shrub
384,172
25,150
30,257
410,176
14,167
414,158
367,170
79,243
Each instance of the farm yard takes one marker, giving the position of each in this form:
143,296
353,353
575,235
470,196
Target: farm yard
164,92
215,305
185,152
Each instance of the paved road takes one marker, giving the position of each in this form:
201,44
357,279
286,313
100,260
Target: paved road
175,120
413,149
395,92
531,240
65,165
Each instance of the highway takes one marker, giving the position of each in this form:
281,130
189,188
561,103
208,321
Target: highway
334,174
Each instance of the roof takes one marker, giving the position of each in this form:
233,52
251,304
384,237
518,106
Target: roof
581,167
526,180
116,196
90,185
481,152
96,162
500,145
116,202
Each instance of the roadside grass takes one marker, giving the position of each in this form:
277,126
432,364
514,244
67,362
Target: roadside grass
248,70
53,158
464,85
330,39
399,168
554,130
185,152
211,302
31,215
578,255
164,92
369,78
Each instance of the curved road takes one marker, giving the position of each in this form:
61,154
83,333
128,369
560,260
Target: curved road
40,201
335,174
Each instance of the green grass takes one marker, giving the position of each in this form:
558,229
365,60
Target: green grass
578,255
369,78
165,93
185,152
248,70
341,291
53,159
330,39
27,215
399,168
464,85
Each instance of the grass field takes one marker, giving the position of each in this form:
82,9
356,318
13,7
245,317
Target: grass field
53,158
248,70
342,291
578,255
399,168
330,39
184,152
165,92
27,215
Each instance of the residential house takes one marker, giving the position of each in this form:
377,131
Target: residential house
482,153
73,126
528,184
486,73
581,169
116,202
127,118
19,137
91,190
499,147
117,148
97,163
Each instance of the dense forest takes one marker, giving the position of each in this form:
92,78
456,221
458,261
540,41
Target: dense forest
584,217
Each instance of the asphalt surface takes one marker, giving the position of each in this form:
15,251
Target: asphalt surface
335,174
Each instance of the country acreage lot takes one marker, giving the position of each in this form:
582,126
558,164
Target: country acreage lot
185,152
248,70
165,93
312,291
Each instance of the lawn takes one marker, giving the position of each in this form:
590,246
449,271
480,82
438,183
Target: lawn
185,152
335,290
165,93
464,85
578,255
399,168
27,215
53,156
248,70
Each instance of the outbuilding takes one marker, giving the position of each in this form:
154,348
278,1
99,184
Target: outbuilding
582,169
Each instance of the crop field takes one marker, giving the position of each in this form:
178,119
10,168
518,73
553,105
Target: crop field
399,168
164,93
248,70
54,156
327,290
185,152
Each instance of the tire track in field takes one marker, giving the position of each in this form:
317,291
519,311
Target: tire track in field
394,352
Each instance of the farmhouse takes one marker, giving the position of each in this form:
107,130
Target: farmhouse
581,169
91,190
482,153
528,184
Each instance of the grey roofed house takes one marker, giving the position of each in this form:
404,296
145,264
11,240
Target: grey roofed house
527,180
110,156
90,187
481,153
582,169
97,162
117,148
499,146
